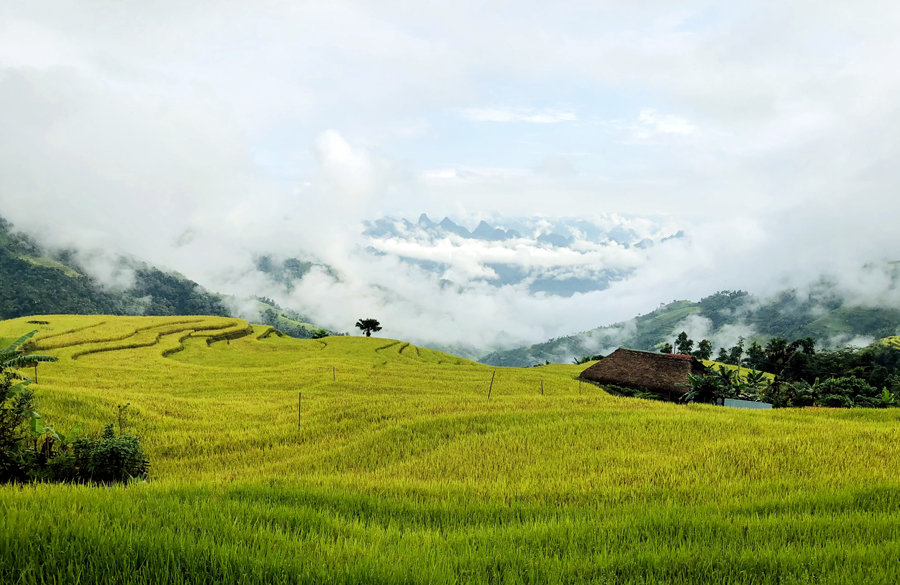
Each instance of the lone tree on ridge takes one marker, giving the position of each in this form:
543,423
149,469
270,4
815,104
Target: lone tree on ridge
368,326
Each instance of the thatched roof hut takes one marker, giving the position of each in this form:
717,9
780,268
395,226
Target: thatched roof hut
659,373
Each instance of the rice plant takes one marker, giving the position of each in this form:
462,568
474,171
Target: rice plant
399,468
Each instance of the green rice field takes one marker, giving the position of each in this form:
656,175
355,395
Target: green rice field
399,468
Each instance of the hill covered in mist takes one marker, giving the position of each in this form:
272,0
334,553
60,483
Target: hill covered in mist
723,318
37,281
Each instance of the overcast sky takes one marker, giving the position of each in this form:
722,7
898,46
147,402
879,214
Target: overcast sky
195,134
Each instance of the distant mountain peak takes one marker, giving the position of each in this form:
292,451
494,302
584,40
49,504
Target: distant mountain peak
448,225
677,235
486,231
554,240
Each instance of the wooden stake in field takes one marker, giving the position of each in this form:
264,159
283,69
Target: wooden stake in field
542,387
299,408
492,383
35,372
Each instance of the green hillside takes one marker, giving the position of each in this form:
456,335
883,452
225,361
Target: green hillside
820,315
398,468
643,332
32,282
287,321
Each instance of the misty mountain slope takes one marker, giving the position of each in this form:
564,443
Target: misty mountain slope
31,284
722,318
642,332
33,281
289,271
852,322
288,321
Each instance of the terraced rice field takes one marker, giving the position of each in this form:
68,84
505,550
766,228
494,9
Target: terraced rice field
401,469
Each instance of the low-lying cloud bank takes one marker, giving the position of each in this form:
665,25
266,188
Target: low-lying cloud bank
472,312
554,255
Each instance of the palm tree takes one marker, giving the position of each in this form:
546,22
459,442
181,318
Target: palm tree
368,326
778,352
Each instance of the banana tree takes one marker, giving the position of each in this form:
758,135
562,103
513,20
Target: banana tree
755,385
705,388
14,357
50,435
722,383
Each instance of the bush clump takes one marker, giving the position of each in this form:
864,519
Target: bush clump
31,451
842,392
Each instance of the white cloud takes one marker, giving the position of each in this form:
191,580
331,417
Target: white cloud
664,123
499,114
557,166
699,328
469,175
653,127
351,170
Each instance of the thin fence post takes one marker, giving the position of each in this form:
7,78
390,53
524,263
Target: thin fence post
299,408
542,387
492,383
35,372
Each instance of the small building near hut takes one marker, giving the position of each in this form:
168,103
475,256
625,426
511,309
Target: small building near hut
659,373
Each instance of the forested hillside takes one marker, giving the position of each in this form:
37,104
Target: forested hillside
34,281
821,314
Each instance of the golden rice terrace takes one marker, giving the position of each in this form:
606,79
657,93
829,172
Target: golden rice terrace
354,460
